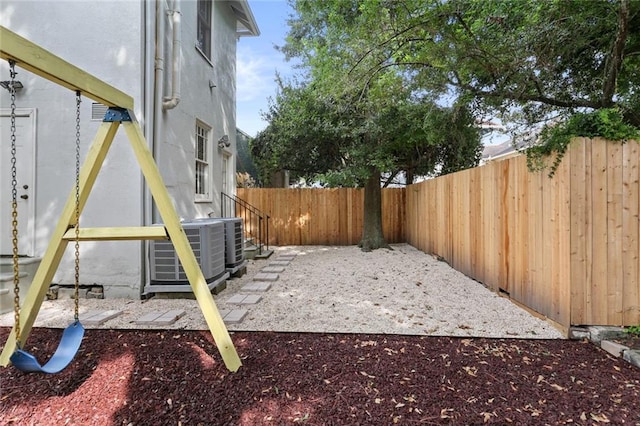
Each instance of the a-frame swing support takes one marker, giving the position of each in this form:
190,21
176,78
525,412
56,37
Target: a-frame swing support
39,61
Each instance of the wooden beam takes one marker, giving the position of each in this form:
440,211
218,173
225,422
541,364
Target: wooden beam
182,246
40,61
120,233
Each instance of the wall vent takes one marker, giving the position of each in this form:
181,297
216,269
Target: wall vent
98,111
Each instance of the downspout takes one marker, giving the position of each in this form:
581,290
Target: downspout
176,63
151,78
158,89
156,102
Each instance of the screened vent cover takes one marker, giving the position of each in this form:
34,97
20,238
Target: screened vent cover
208,244
98,111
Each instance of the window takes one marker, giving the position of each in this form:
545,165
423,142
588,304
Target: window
202,162
204,27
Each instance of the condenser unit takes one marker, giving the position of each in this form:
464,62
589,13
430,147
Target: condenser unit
207,241
234,241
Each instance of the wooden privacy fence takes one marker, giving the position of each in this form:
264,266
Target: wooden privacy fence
566,247
314,216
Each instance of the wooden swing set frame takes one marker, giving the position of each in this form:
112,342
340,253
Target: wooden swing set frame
43,63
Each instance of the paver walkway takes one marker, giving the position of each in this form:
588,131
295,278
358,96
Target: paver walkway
261,283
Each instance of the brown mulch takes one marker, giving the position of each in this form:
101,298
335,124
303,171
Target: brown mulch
177,377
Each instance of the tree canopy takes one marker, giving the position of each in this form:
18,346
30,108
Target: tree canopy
391,86
337,141
532,57
352,139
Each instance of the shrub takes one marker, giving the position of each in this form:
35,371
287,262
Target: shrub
605,123
633,330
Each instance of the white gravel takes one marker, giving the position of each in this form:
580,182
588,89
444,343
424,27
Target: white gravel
342,289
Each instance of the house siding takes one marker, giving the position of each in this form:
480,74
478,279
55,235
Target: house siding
106,39
213,106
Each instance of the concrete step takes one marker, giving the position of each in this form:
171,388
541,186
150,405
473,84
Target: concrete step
257,252
161,318
266,276
256,287
244,299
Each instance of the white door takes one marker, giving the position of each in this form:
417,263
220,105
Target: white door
25,177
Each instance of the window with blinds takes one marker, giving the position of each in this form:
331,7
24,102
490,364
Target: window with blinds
202,161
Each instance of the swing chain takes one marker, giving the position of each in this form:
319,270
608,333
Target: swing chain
77,211
14,202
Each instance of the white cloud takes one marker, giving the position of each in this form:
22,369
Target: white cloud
255,75
256,65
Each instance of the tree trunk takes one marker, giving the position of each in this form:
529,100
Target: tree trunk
632,117
409,176
372,237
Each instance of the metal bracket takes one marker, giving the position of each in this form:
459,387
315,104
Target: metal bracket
116,114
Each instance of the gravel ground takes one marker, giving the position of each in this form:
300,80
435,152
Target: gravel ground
341,290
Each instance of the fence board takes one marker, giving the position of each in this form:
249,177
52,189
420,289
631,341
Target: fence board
504,209
523,262
477,218
579,208
549,243
564,245
491,266
631,234
614,236
599,258
614,282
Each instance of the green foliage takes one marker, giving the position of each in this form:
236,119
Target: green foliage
340,141
555,139
634,330
527,56
344,127
337,127
365,61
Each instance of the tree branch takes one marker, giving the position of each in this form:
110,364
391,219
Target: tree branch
614,62
382,44
389,65
507,94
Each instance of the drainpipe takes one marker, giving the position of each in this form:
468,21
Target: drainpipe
152,80
176,63
158,85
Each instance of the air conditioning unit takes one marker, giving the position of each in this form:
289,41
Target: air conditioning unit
207,241
234,241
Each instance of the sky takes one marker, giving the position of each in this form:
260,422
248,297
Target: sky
257,63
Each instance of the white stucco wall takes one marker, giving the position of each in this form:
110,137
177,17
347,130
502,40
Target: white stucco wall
104,39
107,40
213,106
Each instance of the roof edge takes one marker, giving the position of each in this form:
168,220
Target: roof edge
246,23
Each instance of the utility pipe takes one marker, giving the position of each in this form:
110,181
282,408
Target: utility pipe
158,88
176,53
149,115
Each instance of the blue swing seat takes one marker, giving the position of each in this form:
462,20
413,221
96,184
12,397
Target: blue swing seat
67,350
